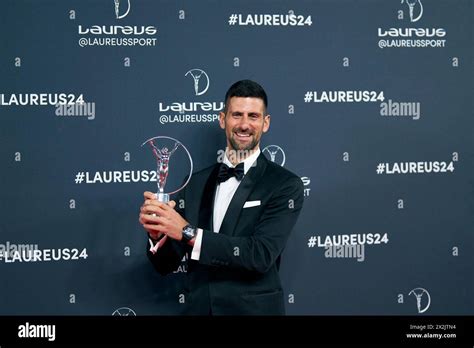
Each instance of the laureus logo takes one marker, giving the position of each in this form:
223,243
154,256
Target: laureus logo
423,299
414,6
200,79
124,312
118,9
275,154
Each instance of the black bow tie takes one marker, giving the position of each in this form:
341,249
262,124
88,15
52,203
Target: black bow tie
225,172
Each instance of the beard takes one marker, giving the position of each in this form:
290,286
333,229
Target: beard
242,147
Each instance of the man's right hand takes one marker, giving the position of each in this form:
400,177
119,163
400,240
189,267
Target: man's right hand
148,213
149,197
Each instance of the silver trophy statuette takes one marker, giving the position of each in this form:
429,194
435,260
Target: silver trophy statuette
163,148
162,159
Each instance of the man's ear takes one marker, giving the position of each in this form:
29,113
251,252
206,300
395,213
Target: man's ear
266,123
222,120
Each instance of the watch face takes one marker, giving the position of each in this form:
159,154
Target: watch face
188,232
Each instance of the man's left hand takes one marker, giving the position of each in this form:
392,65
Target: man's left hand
167,220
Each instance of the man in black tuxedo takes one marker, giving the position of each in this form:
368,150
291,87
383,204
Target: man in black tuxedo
232,220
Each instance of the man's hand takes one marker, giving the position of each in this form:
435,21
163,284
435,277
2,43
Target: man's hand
153,234
165,219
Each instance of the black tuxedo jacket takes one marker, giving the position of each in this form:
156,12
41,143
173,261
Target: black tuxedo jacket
237,273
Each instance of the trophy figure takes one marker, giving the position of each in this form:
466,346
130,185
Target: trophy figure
162,156
272,151
162,159
419,292
272,154
117,9
411,6
196,74
196,82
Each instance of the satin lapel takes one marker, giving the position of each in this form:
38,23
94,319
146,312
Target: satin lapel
240,196
207,201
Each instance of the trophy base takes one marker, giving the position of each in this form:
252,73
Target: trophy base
163,197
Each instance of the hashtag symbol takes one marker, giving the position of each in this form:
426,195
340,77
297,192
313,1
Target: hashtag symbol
233,19
79,177
308,97
380,168
312,242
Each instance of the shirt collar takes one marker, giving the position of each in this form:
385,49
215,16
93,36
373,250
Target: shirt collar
248,162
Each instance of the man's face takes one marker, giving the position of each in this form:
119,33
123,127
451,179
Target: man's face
244,123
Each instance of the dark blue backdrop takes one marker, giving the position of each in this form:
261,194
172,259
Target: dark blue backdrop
426,218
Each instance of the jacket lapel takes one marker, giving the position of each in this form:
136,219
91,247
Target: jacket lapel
207,201
240,196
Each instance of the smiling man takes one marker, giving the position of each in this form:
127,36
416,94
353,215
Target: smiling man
232,220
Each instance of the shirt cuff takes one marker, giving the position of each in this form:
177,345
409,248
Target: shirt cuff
196,253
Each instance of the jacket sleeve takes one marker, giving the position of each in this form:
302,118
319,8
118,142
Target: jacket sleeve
259,251
167,258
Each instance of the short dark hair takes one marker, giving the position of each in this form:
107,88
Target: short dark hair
246,88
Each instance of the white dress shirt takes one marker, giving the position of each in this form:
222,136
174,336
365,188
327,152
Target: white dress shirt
224,193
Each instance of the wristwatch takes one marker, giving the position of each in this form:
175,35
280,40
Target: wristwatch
189,232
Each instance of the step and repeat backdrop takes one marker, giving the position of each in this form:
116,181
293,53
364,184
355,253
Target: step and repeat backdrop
371,105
